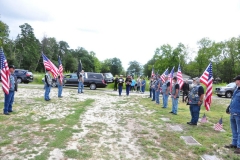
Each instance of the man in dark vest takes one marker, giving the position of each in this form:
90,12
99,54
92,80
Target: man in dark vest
185,90
115,83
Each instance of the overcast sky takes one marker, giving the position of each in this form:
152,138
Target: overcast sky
127,29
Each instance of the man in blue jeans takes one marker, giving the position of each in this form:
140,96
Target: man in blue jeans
195,100
165,92
157,90
81,82
9,98
175,96
60,86
153,88
48,83
234,111
120,85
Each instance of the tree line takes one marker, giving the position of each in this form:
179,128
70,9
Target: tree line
25,52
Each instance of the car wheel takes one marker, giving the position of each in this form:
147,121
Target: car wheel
54,84
228,94
219,95
92,86
19,80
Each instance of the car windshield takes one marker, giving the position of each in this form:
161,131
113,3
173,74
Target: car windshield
108,75
232,85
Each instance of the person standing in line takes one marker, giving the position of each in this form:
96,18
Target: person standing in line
143,85
175,96
128,82
81,82
150,88
185,90
165,92
48,83
234,111
195,100
60,87
133,85
9,98
138,84
153,88
120,85
157,90
115,83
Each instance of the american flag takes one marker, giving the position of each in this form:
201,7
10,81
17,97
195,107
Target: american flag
207,80
204,118
50,66
60,68
152,72
5,73
179,77
165,73
171,77
219,125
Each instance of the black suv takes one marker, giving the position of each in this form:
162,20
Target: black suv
23,76
108,77
92,80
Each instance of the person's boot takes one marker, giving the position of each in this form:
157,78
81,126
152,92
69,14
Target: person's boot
237,151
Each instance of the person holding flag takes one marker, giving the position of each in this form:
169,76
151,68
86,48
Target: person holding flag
165,92
234,111
175,95
60,78
195,100
48,83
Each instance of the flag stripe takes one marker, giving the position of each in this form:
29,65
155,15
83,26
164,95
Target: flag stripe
179,77
165,73
60,68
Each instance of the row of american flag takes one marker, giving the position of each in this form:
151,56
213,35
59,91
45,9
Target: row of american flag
206,79
217,127
5,73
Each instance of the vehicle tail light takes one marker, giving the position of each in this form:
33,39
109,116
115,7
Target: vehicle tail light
103,81
27,74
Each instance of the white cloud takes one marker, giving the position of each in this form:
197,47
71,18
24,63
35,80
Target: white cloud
129,30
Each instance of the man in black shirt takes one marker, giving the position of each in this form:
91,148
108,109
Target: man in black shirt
128,82
120,85
185,90
115,83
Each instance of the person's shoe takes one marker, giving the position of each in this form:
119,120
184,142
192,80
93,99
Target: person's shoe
10,111
188,122
175,113
47,99
193,124
6,113
171,112
237,151
230,146
60,96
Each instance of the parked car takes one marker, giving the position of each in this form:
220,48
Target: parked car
108,77
23,76
91,79
226,91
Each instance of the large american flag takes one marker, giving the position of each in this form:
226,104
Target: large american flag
171,77
50,66
219,125
207,80
179,77
165,73
60,68
152,72
5,73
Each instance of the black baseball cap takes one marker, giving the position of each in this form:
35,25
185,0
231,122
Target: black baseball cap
12,66
237,78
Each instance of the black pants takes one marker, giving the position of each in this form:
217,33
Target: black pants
185,93
115,86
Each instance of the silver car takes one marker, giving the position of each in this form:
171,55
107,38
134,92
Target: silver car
226,91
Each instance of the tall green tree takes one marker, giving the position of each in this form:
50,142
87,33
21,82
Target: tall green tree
135,68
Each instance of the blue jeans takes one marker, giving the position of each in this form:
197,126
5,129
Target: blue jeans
174,105
157,93
143,89
120,90
127,89
47,91
235,126
195,111
60,90
153,92
8,101
80,87
165,100
150,90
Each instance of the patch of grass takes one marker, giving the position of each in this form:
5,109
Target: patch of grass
5,142
71,153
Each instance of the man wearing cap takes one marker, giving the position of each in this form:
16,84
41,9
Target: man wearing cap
128,82
120,85
195,100
48,83
165,92
175,96
9,98
234,111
